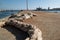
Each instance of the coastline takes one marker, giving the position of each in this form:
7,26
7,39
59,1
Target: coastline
48,23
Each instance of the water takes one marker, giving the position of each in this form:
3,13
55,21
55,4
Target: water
56,11
7,13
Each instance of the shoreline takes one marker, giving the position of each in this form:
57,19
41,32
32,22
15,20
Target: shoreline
35,11
6,18
48,23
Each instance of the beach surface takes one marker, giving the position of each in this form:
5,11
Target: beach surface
47,22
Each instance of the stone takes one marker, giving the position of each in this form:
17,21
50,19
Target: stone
22,17
34,32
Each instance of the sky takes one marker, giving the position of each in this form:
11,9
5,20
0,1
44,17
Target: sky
32,4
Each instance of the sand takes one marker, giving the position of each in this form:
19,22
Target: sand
47,22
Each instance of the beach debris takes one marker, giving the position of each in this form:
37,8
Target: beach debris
34,32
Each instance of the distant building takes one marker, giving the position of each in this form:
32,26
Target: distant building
48,8
56,9
38,9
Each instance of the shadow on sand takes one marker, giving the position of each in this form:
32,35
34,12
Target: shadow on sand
19,34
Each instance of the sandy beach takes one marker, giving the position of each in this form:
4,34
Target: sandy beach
47,22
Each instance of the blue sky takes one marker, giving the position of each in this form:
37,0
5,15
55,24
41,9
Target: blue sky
33,4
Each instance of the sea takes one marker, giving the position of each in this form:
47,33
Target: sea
56,11
8,13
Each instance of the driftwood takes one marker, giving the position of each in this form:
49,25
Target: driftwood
34,32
